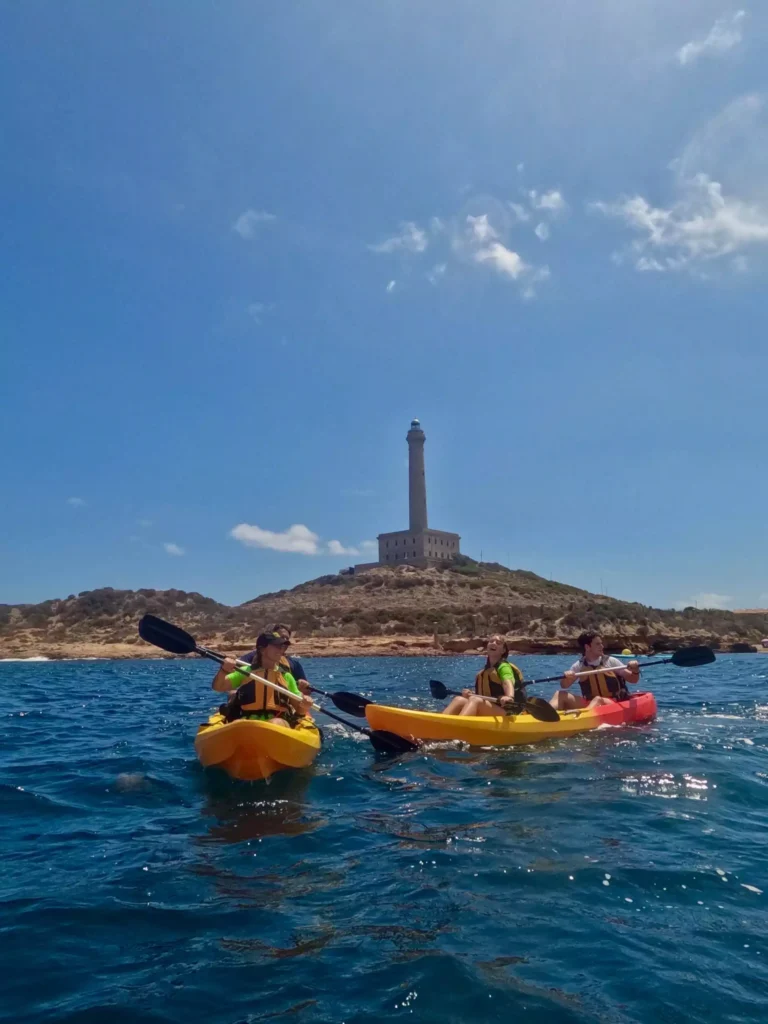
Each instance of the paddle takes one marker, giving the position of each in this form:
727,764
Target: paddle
686,657
535,706
175,640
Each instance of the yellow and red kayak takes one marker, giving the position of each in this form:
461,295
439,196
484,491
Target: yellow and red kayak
249,749
507,730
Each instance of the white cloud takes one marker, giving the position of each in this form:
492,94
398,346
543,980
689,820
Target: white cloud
247,224
437,272
502,259
412,238
391,286
335,547
76,502
541,231
705,600
256,311
480,230
520,212
297,539
552,201
704,224
173,549
723,36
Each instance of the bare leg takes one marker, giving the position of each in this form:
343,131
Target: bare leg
565,701
280,721
455,707
478,706
597,701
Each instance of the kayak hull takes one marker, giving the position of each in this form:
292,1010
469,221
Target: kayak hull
507,730
249,749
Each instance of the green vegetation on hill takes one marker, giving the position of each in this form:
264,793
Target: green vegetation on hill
458,599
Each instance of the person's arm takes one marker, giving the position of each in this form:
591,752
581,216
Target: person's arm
301,703
298,673
506,674
569,677
630,672
220,681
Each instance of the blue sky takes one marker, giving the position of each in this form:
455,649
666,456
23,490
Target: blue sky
246,243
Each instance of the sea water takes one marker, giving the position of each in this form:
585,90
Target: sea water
615,876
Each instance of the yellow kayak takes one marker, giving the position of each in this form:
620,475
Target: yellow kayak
249,749
507,730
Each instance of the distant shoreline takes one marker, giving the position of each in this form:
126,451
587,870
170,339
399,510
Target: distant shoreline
28,649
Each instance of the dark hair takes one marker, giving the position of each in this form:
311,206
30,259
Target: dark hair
281,625
587,638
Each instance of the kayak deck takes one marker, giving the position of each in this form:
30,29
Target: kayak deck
507,730
249,749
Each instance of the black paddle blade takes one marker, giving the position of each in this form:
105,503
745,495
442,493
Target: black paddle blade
390,743
438,690
688,657
350,703
540,709
168,637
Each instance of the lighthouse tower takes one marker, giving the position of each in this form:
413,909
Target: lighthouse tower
418,545
417,484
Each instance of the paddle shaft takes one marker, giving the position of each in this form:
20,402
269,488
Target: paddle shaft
592,672
207,653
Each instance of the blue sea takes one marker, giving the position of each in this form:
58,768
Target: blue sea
617,876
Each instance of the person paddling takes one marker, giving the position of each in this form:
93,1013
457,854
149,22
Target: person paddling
601,688
498,678
252,699
294,665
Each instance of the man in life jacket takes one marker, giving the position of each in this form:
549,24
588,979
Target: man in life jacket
603,687
295,667
498,678
252,699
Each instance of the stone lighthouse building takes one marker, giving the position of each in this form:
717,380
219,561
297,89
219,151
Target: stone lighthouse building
418,545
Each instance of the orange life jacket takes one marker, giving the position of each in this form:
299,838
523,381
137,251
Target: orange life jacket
602,684
265,699
488,684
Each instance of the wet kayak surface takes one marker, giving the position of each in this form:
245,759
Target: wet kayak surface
617,875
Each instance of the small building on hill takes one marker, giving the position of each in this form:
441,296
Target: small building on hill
418,545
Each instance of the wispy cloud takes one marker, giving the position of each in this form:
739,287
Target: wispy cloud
476,238
391,286
297,539
257,311
173,549
541,231
335,547
437,272
722,37
248,223
76,502
552,201
411,238
703,225
520,212
705,600
502,259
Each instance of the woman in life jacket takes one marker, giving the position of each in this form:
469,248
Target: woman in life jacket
603,687
498,678
252,699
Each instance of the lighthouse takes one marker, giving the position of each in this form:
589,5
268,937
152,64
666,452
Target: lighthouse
417,483
418,545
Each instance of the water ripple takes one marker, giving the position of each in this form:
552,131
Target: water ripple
614,877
